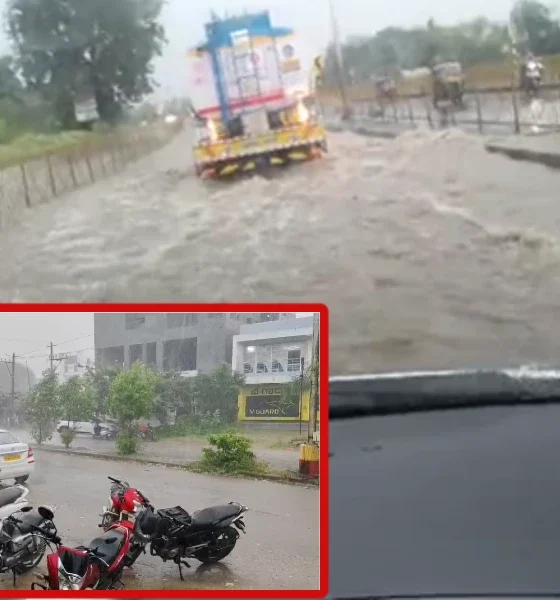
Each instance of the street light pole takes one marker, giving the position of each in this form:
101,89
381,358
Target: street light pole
338,61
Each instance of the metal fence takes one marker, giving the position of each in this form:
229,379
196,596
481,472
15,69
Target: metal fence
497,111
40,179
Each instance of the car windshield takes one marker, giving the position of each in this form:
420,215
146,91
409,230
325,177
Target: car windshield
7,438
448,483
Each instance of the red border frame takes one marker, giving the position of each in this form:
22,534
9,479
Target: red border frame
323,466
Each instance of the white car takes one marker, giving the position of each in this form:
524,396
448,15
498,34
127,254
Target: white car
80,426
16,458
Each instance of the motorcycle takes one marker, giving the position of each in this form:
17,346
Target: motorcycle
532,79
208,535
21,547
98,566
147,433
104,433
125,503
13,499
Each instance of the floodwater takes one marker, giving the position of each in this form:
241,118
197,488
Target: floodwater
430,252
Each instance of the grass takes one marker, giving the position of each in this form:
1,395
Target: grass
32,146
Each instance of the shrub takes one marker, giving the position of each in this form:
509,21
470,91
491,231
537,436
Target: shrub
128,443
231,453
67,436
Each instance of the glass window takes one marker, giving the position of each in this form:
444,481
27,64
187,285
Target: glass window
294,360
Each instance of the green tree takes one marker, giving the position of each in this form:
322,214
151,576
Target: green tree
132,398
174,394
43,407
64,46
77,400
537,30
217,394
100,380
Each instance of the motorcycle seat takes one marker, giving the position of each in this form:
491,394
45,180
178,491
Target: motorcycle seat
108,552
9,495
214,514
30,518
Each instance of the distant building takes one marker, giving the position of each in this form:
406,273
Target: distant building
73,365
271,356
188,343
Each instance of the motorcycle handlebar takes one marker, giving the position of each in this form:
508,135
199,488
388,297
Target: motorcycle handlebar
47,534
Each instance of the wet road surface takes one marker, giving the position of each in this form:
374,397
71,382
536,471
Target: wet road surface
280,550
461,502
430,252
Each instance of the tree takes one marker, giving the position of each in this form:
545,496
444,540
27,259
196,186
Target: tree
132,395
43,407
66,46
536,29
77,400
100,380
217,394
174,394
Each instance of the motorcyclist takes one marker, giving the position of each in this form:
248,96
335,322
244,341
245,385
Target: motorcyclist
530,63
96,427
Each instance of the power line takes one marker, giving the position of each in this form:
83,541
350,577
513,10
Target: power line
74,339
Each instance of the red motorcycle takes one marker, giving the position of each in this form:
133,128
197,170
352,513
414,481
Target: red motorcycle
99,566
126,504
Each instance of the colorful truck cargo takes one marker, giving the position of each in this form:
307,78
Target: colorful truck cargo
253,93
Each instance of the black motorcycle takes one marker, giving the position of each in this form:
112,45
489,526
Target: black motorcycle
208,535
21,549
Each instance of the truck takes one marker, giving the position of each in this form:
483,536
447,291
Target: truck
253,98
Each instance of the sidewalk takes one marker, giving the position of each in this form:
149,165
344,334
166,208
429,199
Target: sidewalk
176,450
543,149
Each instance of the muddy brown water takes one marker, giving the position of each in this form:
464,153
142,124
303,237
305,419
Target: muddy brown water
430,252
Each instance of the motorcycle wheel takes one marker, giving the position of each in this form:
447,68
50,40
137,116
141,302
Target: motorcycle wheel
224,545
25,566
132,556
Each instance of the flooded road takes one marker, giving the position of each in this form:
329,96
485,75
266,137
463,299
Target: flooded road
280,550
430,252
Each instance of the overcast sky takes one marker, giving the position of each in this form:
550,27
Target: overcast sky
184,21
29,335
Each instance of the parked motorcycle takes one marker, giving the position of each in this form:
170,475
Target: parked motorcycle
125,504
13,499
21,547
208,535
98,566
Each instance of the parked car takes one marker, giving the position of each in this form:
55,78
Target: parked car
81,426
16,458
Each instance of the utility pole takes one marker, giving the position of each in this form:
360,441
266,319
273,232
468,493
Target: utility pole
314,393
338,61
52,359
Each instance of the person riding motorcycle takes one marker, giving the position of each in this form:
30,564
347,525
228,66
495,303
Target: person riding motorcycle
532,70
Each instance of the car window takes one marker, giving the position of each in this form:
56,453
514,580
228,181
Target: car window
7,438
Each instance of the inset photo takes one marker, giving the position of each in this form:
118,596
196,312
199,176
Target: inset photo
163,451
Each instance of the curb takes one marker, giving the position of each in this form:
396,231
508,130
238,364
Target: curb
548,159
174,465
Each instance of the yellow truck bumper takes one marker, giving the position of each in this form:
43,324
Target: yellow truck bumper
227,157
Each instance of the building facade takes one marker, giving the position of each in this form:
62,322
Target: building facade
72,365
188,343
272,356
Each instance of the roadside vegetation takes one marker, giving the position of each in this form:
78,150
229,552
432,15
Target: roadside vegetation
484,47
202,408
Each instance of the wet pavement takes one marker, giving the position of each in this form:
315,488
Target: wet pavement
429,251
279,551
173,451
456,502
